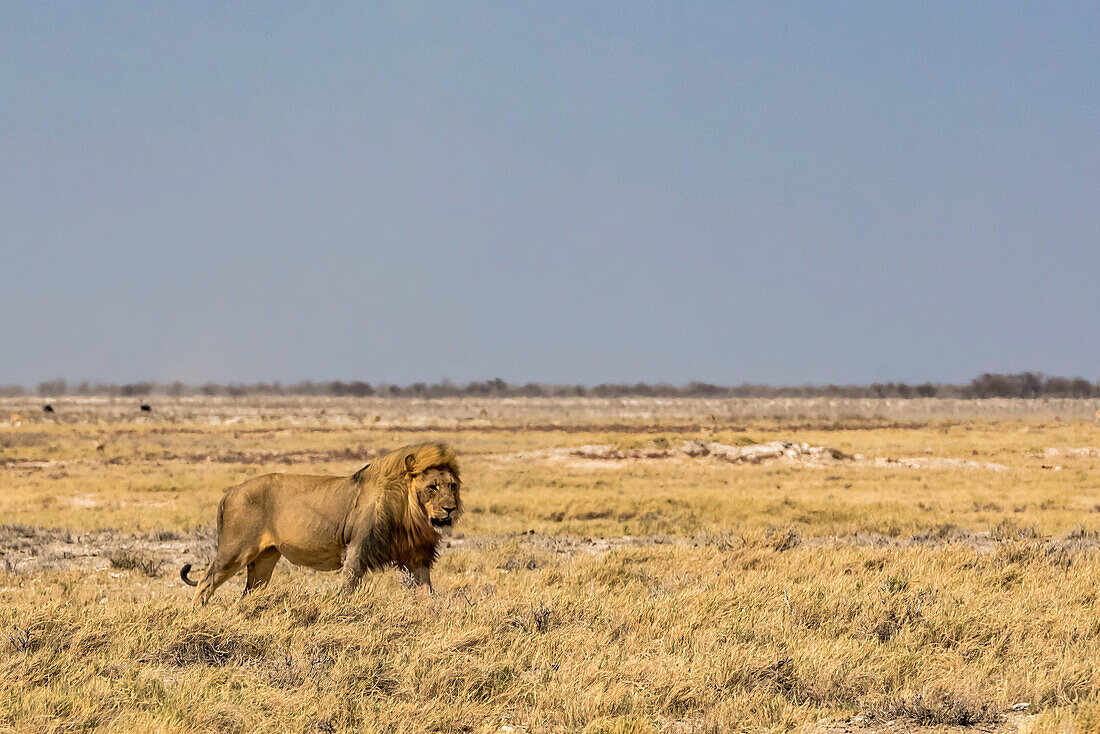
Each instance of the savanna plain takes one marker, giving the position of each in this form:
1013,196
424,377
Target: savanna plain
634,565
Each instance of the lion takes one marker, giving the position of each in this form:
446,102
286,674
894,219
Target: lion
392,512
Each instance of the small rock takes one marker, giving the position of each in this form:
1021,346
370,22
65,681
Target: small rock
694,448
1020,706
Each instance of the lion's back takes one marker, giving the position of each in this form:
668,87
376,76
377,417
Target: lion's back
302,515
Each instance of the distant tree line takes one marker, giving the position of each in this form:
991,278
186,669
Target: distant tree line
1020,385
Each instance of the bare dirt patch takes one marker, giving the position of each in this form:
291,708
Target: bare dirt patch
772,452
1009,723
934,462
28,549
278,457
1078,452
1068,546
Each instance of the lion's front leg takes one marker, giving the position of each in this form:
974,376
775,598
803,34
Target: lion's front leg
351,573
422,576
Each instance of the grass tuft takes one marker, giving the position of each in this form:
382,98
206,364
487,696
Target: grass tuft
132,559
205,643
782,539
938,706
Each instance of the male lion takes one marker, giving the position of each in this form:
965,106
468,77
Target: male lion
390,512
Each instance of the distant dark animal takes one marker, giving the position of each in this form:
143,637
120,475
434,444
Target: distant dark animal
146,408
47,408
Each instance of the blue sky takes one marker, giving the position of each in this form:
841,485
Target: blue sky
562,192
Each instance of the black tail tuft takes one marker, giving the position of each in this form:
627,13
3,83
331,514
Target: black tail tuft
183,575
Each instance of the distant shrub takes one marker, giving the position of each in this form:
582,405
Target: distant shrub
926,390
52,387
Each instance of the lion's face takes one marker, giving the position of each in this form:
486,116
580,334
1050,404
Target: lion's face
438,493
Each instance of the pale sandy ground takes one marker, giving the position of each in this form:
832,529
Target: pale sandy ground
564,413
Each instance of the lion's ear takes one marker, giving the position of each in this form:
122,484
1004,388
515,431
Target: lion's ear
358,476
410,464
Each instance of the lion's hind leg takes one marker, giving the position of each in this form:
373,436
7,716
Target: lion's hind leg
261,568
222,568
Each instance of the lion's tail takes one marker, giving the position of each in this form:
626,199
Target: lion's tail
187,566
183,575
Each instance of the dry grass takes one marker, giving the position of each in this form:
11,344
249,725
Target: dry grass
748,597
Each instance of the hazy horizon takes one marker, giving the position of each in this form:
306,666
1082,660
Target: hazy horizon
777,194
1031,384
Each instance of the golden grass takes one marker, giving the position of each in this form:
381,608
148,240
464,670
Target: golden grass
715,637
770,597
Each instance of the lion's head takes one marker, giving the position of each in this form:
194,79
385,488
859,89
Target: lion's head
438,491
433,484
